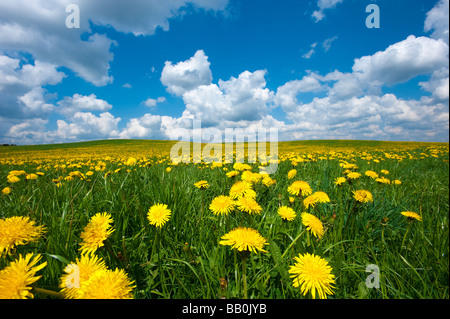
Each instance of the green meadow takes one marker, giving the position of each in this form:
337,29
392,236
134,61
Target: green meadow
183,258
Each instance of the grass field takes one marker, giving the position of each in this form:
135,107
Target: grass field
61,186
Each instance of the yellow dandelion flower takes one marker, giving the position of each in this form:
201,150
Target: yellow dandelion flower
13,179
291,174
287,213
239,189
96,232
18,230
232,174
6,191
385,172
310,201
244,239
17,277
168,169
313,224
222,205
340,180
397,182
268,181
412,216
371,174
31,176
78,273
107,284
158,215
248,204
353,175
201,184
298,188
362,196
89,278
321,197
131,161
312,274
383,180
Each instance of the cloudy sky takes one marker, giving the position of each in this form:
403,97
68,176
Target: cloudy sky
311,69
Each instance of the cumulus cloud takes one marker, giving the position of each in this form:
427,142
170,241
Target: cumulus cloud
21,87
77,103
39,28
437,21
402,61
187,75
153,102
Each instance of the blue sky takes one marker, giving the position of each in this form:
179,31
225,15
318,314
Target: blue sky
146,69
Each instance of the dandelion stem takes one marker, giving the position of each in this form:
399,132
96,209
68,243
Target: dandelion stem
406,233
46,292
244,274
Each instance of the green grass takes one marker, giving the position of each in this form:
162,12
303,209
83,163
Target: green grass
190,263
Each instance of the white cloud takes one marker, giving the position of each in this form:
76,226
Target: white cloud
286,95
402,61
324,4
87,126
39,28
308,54
71,105
152,102
21,92
437,20
187,75
327,43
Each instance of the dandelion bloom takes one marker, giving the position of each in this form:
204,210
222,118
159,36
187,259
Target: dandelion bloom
412,216
107,284
78,273
243,238
248,204
201,184
286,213
313,224
168,169
158,215
385,172
362,196
268,181
17,277
232,174
13,179
317,197
31,176
298,188
291,174
383,180
96,232
92,280
312,274
353,175
18,230
131,161
397,182
222,205
371,174
6,191
340,180
239,189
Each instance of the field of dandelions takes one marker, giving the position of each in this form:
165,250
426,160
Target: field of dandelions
119,219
